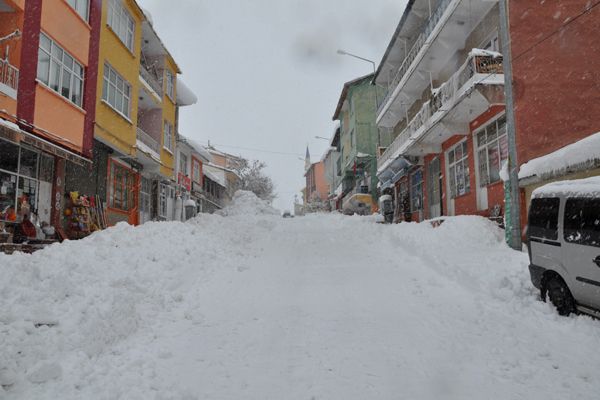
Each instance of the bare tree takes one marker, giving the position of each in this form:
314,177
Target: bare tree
254,179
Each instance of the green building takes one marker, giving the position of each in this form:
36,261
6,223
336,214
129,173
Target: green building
359,143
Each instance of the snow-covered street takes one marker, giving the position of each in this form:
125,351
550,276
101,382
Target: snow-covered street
260,307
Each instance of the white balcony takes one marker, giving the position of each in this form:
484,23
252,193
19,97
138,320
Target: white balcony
438,40
151,83
469,92
148,151
9,79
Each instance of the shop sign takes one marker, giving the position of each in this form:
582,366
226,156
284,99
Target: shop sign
184,181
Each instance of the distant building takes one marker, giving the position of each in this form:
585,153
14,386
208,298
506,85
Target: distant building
359,140
317,189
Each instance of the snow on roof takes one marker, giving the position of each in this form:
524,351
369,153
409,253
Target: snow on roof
185,95
578,154
148,15
10,125
589,187
198,148
215,175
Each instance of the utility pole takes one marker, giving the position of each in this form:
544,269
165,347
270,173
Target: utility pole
513,165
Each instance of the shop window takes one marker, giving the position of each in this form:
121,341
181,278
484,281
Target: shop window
121,22
26,196
416,191
163,196
116,91
9,156
121,192
146,196
543,218
29,163
81,7
8,196
458,170
582,222
58,70
492,151
46,168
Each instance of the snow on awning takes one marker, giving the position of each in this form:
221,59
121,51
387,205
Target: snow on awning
214,175
574,157
589,187
185,95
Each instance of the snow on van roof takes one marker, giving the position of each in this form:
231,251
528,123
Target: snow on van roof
589,187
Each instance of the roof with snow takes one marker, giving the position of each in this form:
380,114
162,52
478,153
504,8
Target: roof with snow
185,95
577,156
215,175
201,150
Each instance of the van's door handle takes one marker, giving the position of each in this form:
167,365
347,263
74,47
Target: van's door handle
597,261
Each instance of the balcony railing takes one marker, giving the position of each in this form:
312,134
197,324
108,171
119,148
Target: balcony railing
479,62
415,49
9,75
148,141
151,80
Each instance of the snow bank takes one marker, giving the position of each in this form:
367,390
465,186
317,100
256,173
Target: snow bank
582,154
247,203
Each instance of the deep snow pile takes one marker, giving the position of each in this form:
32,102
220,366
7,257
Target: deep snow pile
254,306
247,203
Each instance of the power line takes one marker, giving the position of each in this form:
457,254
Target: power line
563,26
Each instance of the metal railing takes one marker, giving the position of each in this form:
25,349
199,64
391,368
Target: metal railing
423,38
9,75
151,80
148,141
444,96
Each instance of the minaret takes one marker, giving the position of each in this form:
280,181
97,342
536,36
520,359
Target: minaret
307,162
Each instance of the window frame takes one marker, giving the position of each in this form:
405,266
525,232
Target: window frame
74,4
107,85
453,162
58,69
124,26
483,149
416,191
169,139
126,186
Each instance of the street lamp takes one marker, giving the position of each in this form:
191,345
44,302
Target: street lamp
321,137
345,53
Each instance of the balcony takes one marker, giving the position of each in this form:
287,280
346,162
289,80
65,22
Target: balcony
438,40
451,108
148,144
152,81
9,79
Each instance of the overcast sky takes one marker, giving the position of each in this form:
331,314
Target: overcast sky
267,74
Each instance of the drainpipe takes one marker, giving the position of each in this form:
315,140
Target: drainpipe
513,165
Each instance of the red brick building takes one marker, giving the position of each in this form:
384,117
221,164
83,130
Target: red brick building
556,67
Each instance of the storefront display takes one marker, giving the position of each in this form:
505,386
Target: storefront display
83,216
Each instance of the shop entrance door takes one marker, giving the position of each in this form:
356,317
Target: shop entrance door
434,178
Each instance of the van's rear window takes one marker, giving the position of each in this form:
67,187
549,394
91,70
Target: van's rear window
543,218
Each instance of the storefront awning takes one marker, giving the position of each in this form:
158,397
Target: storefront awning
13,133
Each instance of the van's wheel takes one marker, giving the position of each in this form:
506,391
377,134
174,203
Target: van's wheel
560,295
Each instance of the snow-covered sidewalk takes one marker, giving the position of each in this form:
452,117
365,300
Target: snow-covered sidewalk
253,306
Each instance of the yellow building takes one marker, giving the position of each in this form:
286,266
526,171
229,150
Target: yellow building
136,118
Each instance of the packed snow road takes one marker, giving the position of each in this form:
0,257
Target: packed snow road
253,306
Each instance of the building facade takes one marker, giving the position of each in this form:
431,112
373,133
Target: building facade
359,141
443,111
317,189
557,92
48,72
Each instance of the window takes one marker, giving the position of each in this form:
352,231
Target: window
168,137
492,44
145,196
492,150
162,206
121,188
81,6
196,171
121,23
582,222
59,71
183,163
543,218
116,91
170,85
458,170
416,191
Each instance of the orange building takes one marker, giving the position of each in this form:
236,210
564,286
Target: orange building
317,188
48,74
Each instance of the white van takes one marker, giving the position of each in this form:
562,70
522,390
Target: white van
564,244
